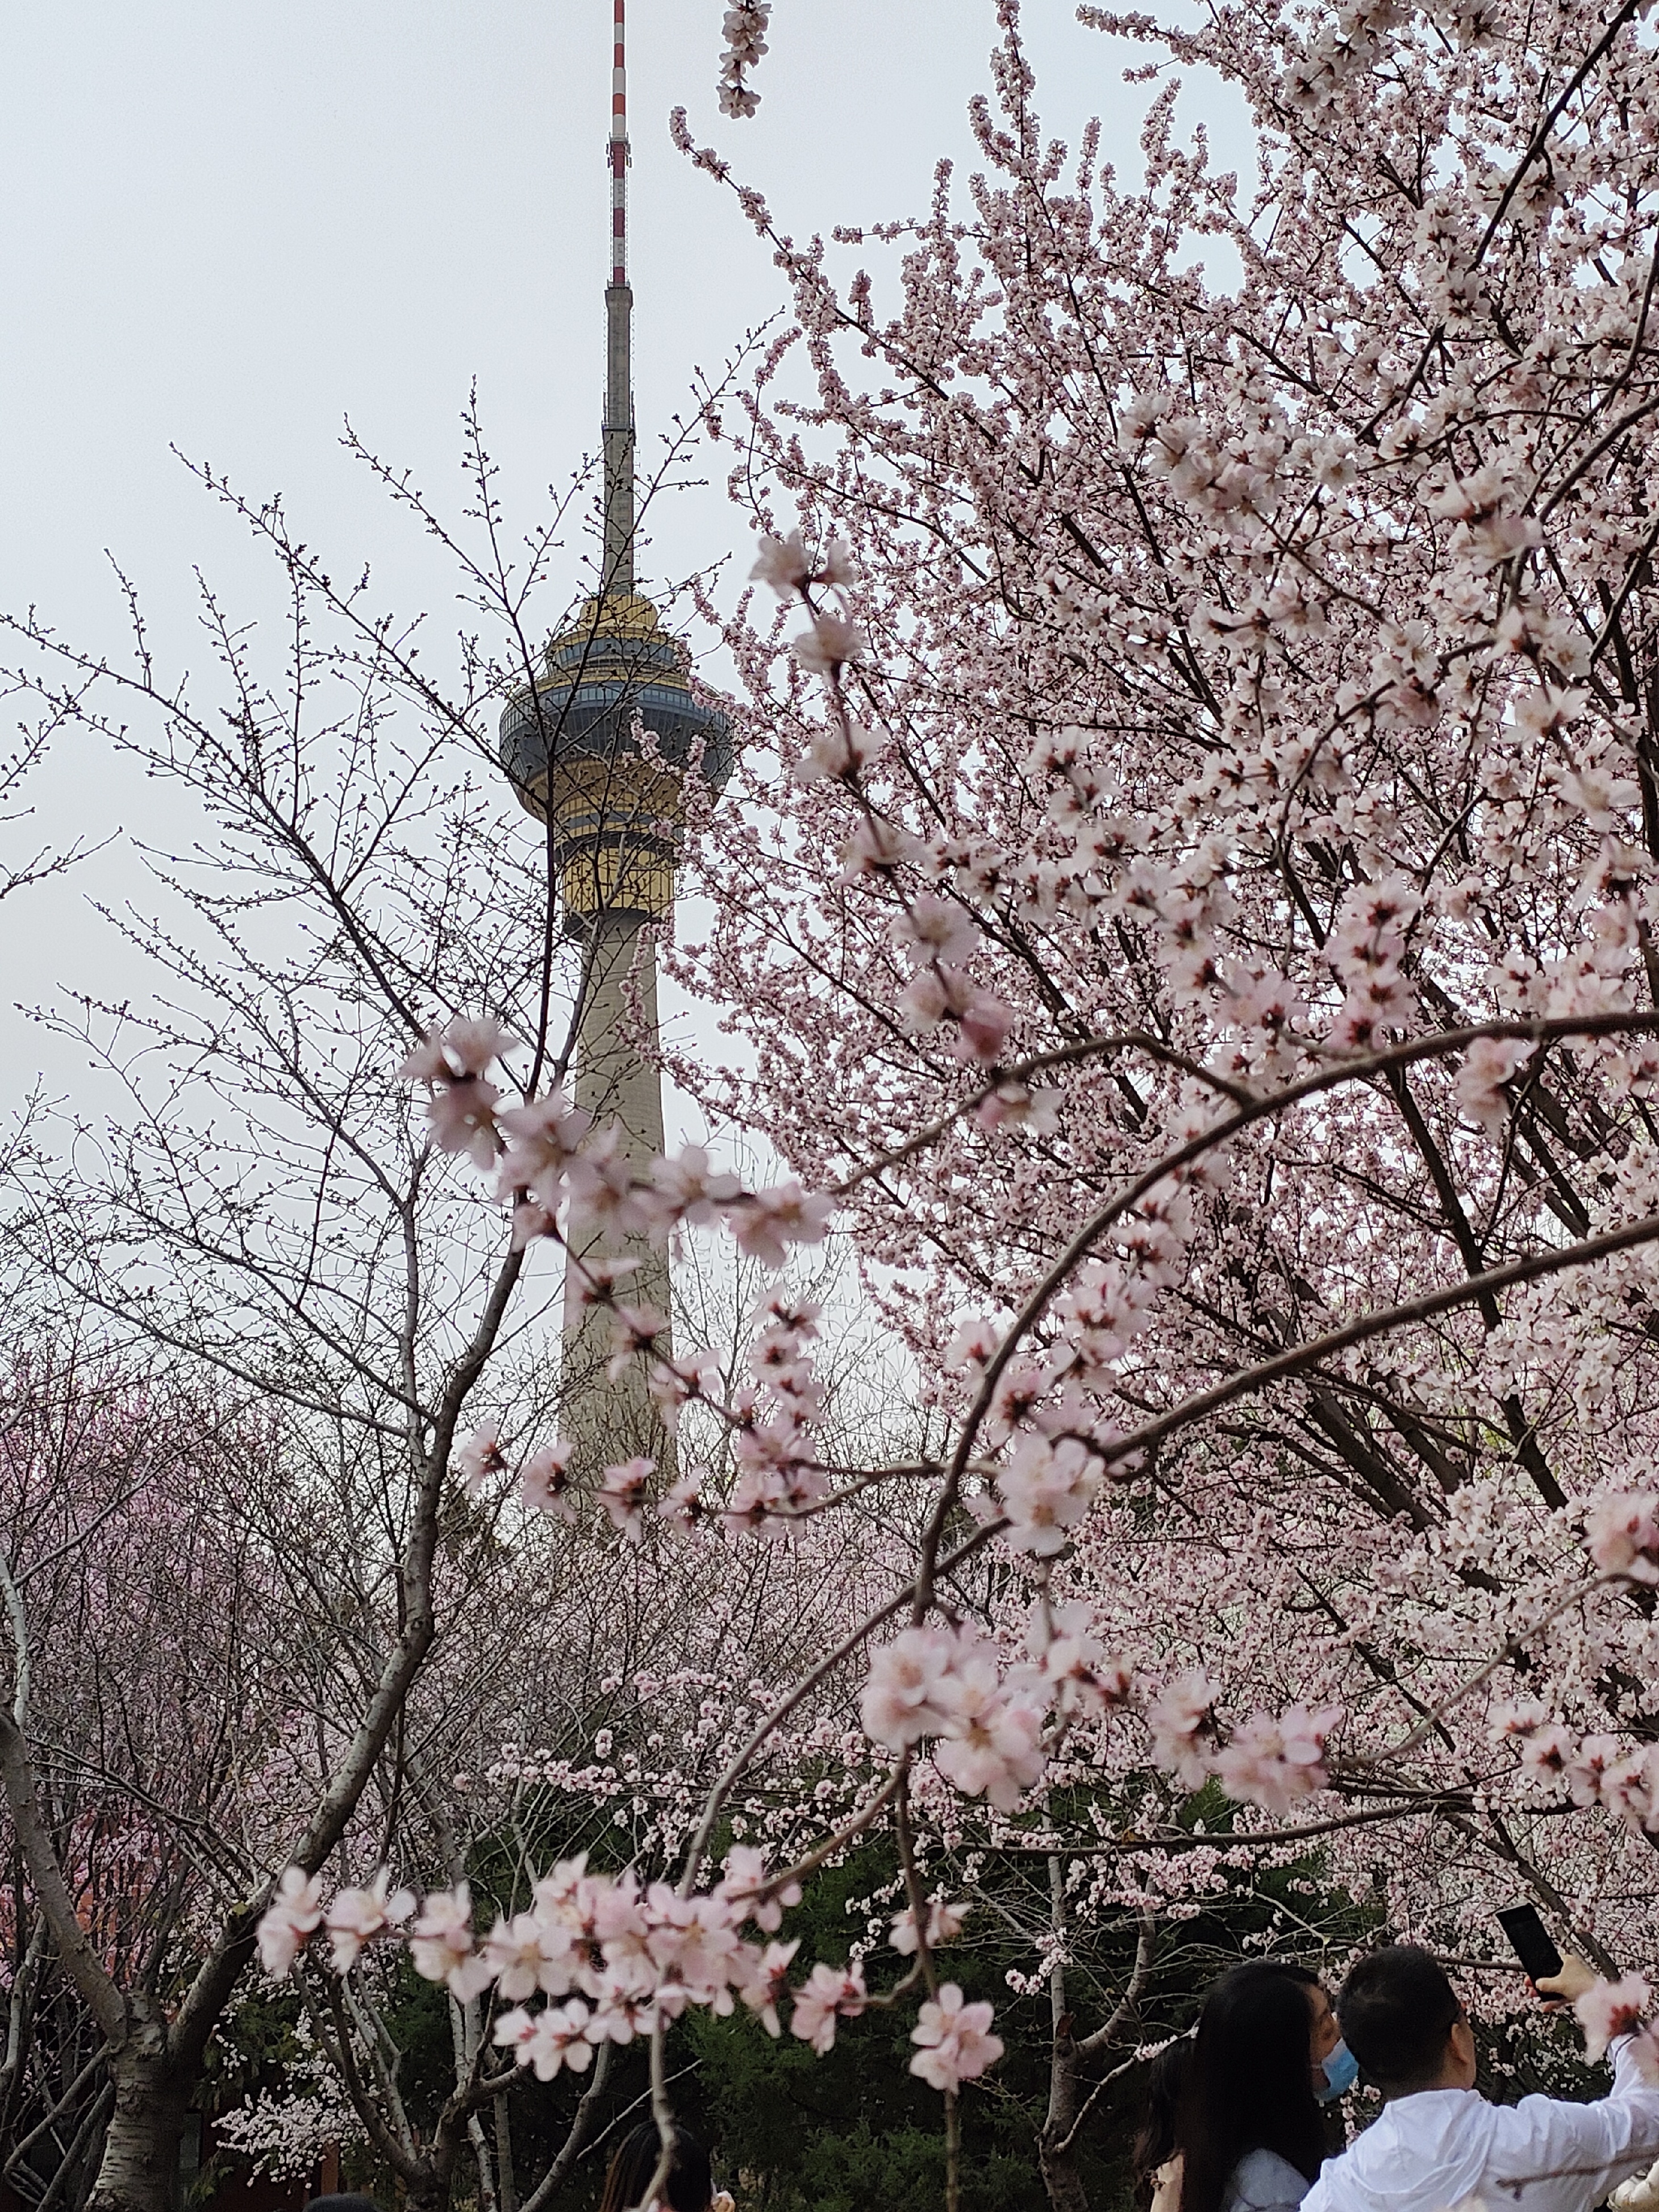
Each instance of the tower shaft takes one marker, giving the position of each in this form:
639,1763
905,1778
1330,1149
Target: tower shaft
612,1421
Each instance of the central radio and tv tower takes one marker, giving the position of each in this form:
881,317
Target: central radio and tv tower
570,747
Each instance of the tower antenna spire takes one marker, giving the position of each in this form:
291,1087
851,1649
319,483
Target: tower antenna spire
619,427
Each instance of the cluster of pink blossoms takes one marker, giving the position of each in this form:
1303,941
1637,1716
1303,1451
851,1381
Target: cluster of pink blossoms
550,1160
1367,951
946,1684
986,1726
1611,2009
1270,1761
612,1959
771,1418
744,33
1622,1531
1593,1770
551,1165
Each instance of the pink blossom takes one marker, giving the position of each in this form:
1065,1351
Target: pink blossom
766,1223
472,1043
904,1696
1489,1064
1021,1388
357,1916
544,1480
462,1120
541,1139
765,1983
621,2010
829,1993
676,1383
1547,1752
465,1047
625,1492
1272,1763
602,1185
828,646
1046,1490
479,1457
945,1924
875,848
688,1188
531,1952
957,2043
683,1503
1622,1531
1179,1718
759,1496
1585,1774
1610,2009
934,929
973,1343
782,563
744,1878
1630,1788
554,2037
1085,1673
841,748
427,1062
925,1001
992,1743
291,1916
983,1026
441,1942
633,1330
1015,1105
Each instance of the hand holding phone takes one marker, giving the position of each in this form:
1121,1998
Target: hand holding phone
1530,1941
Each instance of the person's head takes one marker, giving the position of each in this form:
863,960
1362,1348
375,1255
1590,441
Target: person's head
1263,2035
1156,2143
690,2186
1402,2021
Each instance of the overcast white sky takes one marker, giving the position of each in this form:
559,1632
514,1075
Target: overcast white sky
224,227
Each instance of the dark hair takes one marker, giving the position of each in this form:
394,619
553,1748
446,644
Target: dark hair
1155,2145
1396,2009
690,2185
1249,2083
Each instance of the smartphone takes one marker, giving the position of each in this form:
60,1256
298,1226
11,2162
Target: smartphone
1529,1940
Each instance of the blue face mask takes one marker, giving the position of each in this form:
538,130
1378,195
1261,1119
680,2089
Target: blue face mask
1341,2071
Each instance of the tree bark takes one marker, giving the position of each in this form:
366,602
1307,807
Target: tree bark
139,2169
1056,2152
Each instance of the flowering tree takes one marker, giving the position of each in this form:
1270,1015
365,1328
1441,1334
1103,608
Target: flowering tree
149,1690
1220,891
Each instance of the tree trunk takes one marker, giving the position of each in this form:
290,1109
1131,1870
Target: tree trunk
139,2170
1056,2154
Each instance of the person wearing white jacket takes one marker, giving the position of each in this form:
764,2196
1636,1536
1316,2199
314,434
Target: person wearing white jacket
1437,2143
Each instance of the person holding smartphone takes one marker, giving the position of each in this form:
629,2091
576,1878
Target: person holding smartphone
1438,2142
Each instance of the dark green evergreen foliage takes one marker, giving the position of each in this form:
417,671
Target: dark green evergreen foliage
855,2128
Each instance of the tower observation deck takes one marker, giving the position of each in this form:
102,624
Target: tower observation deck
571,748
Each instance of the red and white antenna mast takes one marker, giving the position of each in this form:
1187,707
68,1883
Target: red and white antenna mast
618,430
